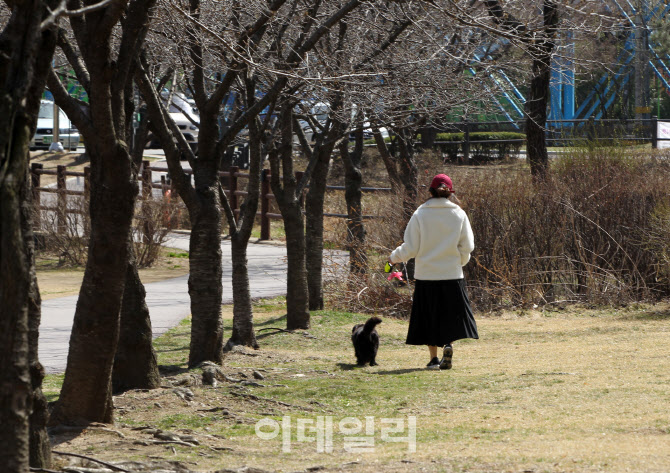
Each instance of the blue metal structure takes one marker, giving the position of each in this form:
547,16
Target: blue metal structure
563,107
602,96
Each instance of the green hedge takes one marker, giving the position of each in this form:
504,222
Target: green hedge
450,144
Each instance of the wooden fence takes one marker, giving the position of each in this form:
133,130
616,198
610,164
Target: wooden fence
233,192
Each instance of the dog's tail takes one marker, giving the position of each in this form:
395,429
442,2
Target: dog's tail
371,323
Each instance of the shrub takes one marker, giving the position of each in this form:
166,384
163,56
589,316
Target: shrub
484,146
657,239
66,234
596,231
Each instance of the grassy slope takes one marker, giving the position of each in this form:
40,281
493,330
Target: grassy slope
538,392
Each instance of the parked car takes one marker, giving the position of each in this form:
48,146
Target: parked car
179,108
68,134
320,112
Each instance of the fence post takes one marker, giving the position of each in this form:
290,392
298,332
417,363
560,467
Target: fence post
146,180
466,141
232,181
61,186
265,204
35,177
591,130
654,132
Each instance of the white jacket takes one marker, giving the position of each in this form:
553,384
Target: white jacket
440,239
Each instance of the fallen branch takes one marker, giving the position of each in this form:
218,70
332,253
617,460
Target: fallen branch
109,465
43,470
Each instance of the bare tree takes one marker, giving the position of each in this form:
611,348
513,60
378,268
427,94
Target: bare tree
102,50
27,42
541,46
264,43
351,54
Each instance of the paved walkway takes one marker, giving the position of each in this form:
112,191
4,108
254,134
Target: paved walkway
168,300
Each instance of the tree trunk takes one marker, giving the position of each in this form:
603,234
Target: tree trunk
40,447
353,178
15,380
86,395
287,197
240,231
314,225
541,46
409,176
536,121
539,94
135,365
409,173
297,296
204,282
243,326
25,56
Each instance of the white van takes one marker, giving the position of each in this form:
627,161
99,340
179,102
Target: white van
68,134
179,108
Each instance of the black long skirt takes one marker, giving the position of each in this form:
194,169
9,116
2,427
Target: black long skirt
441,313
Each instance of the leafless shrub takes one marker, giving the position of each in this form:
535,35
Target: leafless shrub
66,234
369,293
657,240
596,231
154,219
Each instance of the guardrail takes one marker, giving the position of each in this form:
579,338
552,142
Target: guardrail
233,192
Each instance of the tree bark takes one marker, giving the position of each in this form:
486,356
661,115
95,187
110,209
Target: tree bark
107,45
86,394
204,282
314,201
243,326
22,406
287,197
40,447
541,47
353,178
297,295
409,173
15,380
240,231
538,99
135,365
314,232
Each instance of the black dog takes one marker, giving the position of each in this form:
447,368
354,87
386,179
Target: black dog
366,341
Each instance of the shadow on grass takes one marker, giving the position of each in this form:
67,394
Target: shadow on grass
271,321
403,371
267,325
170,370
167,350
264,324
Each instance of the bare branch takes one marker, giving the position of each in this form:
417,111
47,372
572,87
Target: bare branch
61,10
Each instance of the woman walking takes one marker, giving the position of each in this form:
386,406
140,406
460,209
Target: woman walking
439,238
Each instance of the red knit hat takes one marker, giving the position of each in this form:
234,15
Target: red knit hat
442,179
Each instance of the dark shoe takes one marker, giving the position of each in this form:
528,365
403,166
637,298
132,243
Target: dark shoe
433,364
447,353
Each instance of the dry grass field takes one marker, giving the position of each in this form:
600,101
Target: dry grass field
567,391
